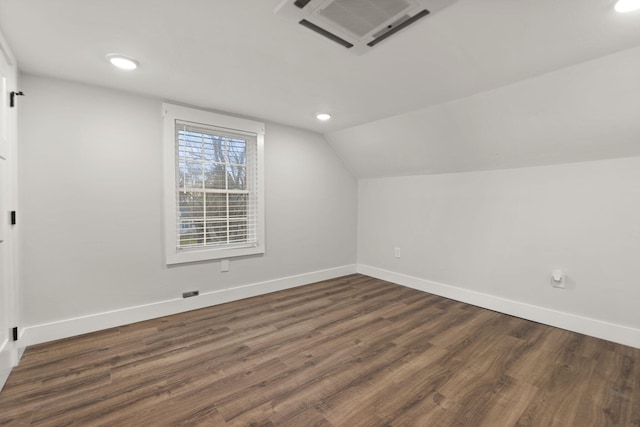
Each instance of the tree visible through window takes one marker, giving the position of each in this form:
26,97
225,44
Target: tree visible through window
214,203
213,185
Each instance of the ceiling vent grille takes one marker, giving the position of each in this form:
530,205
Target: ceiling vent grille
360,17
358,25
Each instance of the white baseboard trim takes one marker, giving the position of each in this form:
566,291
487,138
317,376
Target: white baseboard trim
584,325
37,334
6,362
4,376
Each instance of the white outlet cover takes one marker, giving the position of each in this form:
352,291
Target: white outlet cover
558,279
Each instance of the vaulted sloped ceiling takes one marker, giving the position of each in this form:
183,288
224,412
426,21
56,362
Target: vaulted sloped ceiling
584,112
442,95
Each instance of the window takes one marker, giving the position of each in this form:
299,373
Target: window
214,189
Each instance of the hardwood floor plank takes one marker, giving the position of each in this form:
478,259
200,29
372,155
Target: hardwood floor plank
510,404
351,351
310,417
556,403
408,388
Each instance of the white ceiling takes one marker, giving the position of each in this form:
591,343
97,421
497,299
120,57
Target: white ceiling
237,56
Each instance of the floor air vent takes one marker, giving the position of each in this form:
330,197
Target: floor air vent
358,25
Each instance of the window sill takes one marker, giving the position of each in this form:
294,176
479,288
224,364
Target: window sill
196,255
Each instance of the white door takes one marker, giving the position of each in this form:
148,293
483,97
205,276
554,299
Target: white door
8,276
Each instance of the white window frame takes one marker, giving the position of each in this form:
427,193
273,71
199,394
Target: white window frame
171,113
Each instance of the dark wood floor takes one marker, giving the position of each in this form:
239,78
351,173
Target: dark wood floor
353,351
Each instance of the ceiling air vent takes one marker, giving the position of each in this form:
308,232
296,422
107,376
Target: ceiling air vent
358,25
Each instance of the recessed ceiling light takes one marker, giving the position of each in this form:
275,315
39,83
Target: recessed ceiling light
122,62
323,116
623,6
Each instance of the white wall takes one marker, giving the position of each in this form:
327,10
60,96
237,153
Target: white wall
500,233
91,210
579,113
91,207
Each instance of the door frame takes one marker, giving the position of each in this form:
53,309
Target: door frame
10,351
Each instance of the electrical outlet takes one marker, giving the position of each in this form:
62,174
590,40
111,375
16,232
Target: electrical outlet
396,252
190,294
558,279
224,265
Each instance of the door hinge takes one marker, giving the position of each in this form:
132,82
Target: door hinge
12,98
13,217
15,333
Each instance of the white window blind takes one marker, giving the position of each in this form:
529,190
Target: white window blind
214,186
